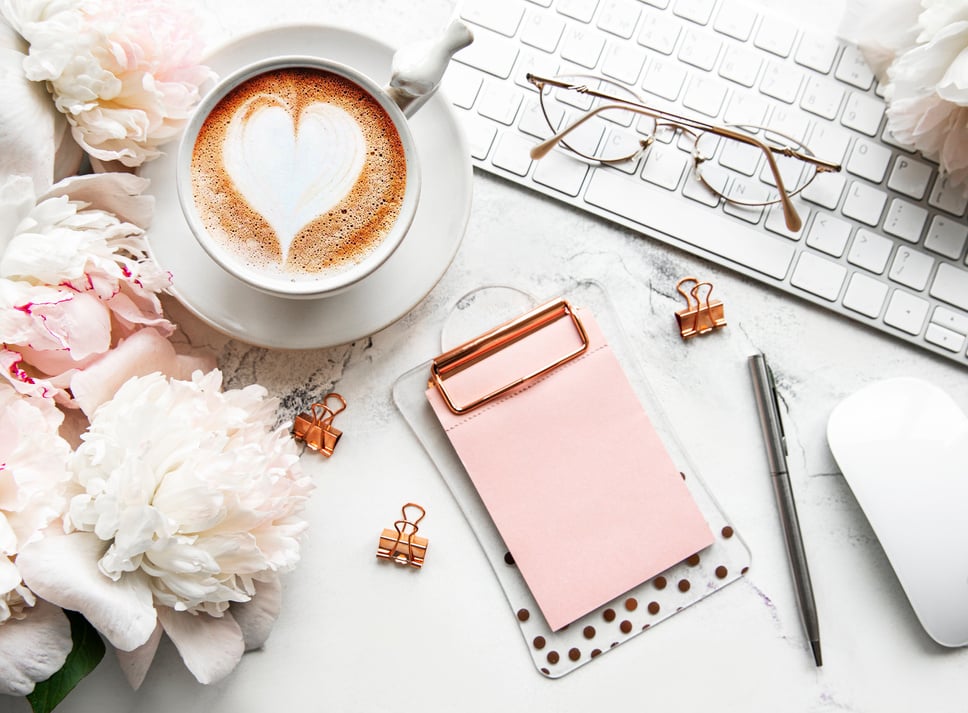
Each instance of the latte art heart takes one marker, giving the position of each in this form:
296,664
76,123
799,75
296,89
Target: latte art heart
297,174
292,170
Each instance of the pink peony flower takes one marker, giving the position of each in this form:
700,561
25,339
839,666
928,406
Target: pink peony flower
125,73
919,50
75,279
189,510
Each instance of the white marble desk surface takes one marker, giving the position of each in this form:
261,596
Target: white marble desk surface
355,636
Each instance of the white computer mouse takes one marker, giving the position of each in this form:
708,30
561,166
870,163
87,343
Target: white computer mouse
902,446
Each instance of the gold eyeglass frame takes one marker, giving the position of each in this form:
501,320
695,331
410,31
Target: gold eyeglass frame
694,127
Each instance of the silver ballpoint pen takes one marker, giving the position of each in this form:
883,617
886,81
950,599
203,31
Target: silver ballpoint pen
767,404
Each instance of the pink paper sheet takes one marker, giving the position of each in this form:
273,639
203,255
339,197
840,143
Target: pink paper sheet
571,470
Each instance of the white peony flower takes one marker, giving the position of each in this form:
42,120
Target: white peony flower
34,637
75,278
920,51
190,505
125,73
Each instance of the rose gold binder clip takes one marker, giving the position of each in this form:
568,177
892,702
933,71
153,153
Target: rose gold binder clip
401,544
701,314
316,427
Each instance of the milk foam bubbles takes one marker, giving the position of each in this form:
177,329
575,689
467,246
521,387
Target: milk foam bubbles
292,170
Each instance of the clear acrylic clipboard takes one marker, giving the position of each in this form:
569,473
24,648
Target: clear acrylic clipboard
558,653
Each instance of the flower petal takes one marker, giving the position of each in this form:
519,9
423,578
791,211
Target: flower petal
63,569
256,616
119,193
32,649
211,647
31,124
135,664
144,352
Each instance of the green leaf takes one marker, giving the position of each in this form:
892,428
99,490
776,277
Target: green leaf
87,652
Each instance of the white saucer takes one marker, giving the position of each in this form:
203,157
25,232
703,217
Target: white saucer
394,289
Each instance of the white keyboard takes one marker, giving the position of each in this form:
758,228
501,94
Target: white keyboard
883,241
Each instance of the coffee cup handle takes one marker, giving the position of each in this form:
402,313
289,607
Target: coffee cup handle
417,69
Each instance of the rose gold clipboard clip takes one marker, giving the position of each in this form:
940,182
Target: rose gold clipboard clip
480,348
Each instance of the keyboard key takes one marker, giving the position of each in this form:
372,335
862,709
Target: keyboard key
819,276
698,11
948,318
542,3
490,53
787,123
906,312
698,191
817,52
829,234
582,46
951,200
853,68
562,172
581,10
822,98
951,286
705,95
461,85
826,190
870,251
735,19
660,210
664,166
502,16
911,268
863,113
776,36
699,49
512,154
533,120
910,177
740,65
623,62
543,65
542,30
869,160
829,142
661,4
741,157
746,109
664,79
864,203
480,135
781,82
905,220
619,17
945,338
499,102
659,33
946,237
865,295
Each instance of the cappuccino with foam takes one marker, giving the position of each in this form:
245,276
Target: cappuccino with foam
299,172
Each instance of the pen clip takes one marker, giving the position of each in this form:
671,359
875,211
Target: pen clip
776,408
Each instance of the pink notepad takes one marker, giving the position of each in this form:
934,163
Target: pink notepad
571,470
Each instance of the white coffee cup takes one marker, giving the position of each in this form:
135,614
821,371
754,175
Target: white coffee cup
306,202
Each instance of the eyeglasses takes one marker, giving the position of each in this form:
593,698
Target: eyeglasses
617,127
